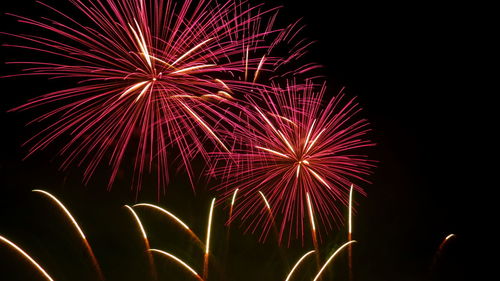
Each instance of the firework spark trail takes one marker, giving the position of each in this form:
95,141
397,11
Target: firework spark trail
80,231
151,75
175,219
440,249
28,257
207,244
313,228
297,265
179,261
293,146
331,258
146,242
349,235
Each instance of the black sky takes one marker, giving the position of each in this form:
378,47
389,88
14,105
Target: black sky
414,67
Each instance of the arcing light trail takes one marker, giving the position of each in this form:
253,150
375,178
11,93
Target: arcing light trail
207,243
179,261
26,256
80,231
297,264
331,258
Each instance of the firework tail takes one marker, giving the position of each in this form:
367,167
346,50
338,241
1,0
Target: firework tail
207,244
154,275
79,230
297,265
349,234
178,221
331,258
313,228
439,251
179,261
26,256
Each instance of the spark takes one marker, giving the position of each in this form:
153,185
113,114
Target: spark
449,236
24,254
331,258
297,264
179,261
265,200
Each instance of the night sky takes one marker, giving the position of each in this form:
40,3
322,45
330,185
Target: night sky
414,69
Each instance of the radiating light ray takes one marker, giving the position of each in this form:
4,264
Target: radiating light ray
179,261
331,258
319,178
80,231
192,50
204,125
311,214
26,256
297,264
196,67
133,88
256,75
141,42
265,200
146,88
272,151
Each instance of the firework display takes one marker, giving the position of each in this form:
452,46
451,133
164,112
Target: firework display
145,77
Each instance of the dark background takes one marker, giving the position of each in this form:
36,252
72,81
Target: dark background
417,70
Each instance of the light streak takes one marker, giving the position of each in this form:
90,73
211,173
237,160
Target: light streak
297,264
179,261
24,254
331,258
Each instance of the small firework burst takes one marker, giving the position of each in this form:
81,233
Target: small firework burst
301,156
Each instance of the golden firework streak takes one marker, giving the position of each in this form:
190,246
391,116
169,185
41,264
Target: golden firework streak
179,261
24,254
331,258
297,265
72,219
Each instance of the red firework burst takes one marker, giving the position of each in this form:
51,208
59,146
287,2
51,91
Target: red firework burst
296,162
150,74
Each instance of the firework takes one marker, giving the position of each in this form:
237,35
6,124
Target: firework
297,264
150,75
302,156
331,258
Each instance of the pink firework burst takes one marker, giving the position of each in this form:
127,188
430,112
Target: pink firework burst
296,162
149,74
